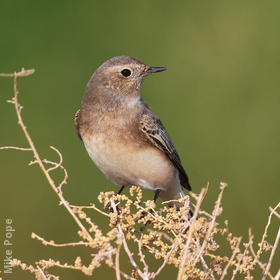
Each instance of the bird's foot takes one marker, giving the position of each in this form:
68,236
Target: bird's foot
109,208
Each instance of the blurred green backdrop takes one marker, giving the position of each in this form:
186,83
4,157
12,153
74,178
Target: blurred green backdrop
219,100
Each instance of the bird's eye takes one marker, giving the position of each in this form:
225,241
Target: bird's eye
126,72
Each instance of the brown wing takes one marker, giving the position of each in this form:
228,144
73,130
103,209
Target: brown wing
157,134
76,122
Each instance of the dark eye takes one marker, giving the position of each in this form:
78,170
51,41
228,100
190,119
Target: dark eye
126,72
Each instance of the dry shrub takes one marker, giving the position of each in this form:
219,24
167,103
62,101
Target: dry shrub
166,234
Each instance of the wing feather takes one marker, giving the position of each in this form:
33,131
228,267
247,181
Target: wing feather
154,130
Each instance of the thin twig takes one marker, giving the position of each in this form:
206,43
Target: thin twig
265,233
274,212
41,273
261,265
235,251
92,206
15,148
277,276
142,257
130,255
272,254
24,73
246,246
215,213
117,262
190,233
52,243
155,274
126,248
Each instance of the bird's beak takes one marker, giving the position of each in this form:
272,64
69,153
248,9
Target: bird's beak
155,69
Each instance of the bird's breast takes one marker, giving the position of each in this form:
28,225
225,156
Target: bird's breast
127,162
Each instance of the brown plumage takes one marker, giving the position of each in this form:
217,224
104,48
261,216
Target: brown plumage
123,136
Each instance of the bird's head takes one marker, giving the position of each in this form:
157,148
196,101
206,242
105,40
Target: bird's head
123,75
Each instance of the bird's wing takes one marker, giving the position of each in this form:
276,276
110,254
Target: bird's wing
154,130
76,122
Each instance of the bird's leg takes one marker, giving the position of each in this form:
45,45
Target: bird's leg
156,195
121,189
109,203
144,214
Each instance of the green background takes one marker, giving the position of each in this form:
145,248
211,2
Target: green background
219,101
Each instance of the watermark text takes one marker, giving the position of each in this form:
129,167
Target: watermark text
8,246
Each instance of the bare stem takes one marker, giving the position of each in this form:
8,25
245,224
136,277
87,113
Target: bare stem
190,233
24,73
117,263
212,224
272,254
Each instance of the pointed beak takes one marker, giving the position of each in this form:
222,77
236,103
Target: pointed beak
155,69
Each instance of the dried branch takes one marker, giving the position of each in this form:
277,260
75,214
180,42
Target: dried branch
24,73
272,255
15,148
190,233
235,251
53,244
216,212
117,262
265,232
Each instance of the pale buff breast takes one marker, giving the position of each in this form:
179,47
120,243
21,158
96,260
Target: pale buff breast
128,163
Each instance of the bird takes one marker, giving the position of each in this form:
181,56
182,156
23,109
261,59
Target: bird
123,136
